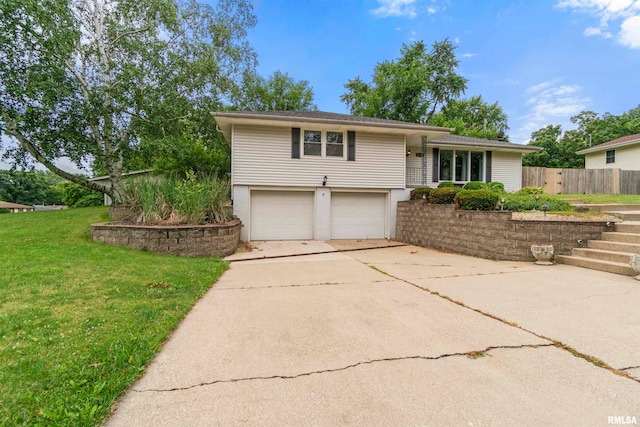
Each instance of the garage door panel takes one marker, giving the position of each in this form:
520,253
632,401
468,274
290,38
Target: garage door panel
281,215
358,215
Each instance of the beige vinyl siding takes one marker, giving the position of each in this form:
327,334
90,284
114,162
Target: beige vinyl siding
261,155
507,169
627,158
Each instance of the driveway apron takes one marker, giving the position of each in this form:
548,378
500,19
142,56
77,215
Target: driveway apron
354,338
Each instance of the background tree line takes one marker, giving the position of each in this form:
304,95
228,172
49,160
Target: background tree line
124,86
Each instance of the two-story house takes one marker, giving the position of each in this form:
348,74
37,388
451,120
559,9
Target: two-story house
314,175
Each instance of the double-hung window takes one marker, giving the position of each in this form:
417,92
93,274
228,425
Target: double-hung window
323,143
335,144
611,156
312,143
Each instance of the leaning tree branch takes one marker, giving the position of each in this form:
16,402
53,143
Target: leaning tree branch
12,130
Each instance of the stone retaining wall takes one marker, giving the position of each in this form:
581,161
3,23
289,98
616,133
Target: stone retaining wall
185,240
492,235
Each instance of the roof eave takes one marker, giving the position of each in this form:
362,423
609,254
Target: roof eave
453,144
235,117
607,147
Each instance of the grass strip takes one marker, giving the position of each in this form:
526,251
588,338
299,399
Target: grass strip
79,320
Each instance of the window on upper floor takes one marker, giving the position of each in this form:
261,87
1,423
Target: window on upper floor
323,143
611,156
312,143
335,144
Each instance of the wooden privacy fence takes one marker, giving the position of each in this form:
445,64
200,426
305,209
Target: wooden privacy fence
582,181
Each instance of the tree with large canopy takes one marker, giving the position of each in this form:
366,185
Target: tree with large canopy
412,88
91,80
278,92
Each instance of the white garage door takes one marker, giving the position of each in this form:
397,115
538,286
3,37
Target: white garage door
358,215
281,215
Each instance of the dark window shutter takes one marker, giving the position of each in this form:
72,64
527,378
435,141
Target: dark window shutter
351,145
487,158
295,143
435,163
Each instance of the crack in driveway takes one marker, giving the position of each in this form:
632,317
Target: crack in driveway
470,354
591,359
299,286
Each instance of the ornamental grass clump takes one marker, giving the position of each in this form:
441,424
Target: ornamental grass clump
192,200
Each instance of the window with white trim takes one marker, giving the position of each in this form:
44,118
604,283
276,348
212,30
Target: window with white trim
461,165
323,143
312,143
335,144
611,156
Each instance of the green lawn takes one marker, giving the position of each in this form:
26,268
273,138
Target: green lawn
604,198
80,320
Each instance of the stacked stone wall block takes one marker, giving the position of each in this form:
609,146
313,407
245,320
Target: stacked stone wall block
492,235
206,240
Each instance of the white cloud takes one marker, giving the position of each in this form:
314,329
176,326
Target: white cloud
625,13
431,10
468,55
595,31
551,103
456,40
630,32
395,8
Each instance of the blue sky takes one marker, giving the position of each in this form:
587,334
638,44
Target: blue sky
543,61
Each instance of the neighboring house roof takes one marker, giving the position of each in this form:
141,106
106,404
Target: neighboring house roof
106,177
618,142
455,140
9,205
224,119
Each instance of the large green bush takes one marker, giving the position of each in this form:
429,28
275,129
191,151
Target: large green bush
418,193
477,200
193,200
446,184
443,196
527,202
498,187
474,185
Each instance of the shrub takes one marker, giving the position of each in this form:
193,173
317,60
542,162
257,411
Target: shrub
527,202
446,184
531,190
443,196
77,196
477,200
418,193
3,210
474,185
498,187
194,200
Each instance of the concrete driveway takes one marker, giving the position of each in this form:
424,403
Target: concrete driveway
398,336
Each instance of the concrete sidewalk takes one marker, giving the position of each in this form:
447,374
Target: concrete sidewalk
354,338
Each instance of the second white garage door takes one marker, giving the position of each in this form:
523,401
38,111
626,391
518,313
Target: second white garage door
281,215
358,215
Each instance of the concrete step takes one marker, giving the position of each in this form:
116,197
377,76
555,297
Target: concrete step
612,236
602,254
632,248
625,215
627,227
601,207
597,264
